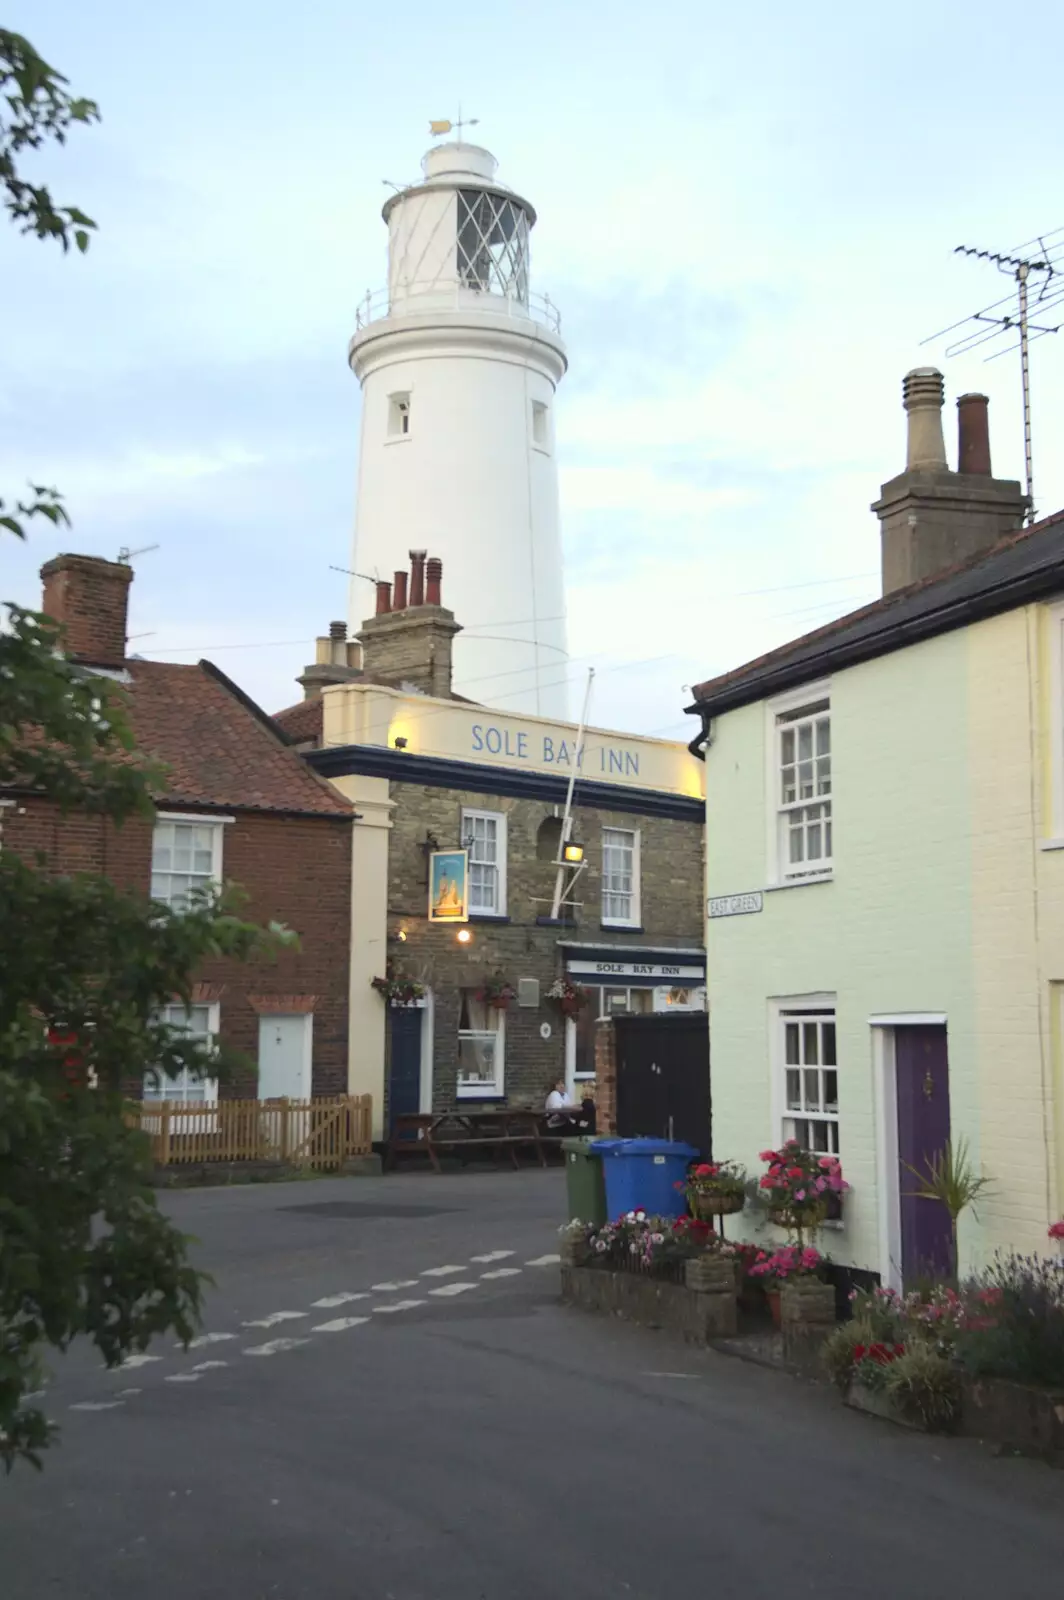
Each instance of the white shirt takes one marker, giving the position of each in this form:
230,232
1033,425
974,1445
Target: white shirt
557,1100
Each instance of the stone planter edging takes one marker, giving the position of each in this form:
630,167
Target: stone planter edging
697,1317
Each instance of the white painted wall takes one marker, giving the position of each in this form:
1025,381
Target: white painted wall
285,1056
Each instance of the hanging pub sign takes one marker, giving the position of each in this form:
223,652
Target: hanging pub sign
448,886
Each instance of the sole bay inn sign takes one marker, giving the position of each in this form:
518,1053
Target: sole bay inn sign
655,971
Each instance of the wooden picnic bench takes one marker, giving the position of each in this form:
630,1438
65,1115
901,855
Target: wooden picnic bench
464,1130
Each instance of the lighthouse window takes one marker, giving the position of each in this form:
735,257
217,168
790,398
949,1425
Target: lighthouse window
492,244
540,434
398,416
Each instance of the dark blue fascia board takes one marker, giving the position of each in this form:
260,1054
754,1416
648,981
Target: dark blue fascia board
374,761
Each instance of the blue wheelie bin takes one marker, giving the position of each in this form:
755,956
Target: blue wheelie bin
641,1175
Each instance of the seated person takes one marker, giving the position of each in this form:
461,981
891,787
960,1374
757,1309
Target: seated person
559,1098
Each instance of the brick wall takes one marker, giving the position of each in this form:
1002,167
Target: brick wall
671,861
295,870
606,1075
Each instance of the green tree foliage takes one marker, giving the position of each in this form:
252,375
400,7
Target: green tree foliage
85,968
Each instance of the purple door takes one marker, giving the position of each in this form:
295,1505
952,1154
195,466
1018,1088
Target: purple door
922,1067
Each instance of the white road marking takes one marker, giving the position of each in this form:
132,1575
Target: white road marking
123,1392
96,1405
136,1361
183,1377
398,1305
543,1261
453,1288
692,1375
206,1338
338,1324
440,1272
502,1272
209,1366
492,1255
328,1301
390,1288
274,1347
274,1318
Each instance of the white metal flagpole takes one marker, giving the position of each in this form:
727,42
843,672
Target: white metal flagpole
567,819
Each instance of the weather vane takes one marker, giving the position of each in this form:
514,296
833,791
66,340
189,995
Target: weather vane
438,129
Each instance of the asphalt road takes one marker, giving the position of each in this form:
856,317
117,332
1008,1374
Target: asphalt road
431,1434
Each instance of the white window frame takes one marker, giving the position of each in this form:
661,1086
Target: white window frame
399,409
780,870
635,919
540,425
469,816
477,1088
163,1088
799,1008
186,819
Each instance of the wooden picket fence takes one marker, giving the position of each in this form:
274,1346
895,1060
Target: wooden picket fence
301,1133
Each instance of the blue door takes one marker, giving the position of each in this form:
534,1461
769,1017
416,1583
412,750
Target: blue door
404,1076
922,1060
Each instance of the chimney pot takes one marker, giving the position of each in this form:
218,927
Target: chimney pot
337,630
399,601
434,576
417,577
923,395
384,597
973,435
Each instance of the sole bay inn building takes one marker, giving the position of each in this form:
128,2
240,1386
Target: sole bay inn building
459,818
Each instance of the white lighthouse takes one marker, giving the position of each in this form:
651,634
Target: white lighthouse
459,364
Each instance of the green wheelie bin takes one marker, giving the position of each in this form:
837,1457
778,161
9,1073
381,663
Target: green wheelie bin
585,1183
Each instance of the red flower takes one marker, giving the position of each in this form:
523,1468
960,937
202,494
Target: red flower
704,1170
795,1172
1056,1230
859,1352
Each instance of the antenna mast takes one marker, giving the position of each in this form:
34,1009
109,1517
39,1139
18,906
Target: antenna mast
1026,270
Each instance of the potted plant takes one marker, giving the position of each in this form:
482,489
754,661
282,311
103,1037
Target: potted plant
795,1267
569,998
715,1189
798,1187
496,993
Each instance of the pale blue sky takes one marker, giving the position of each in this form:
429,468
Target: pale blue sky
746,219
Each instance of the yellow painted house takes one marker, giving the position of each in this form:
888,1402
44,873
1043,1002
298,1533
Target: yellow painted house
885,871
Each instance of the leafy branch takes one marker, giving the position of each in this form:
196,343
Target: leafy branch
35,108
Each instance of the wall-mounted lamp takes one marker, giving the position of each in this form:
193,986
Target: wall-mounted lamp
464,936
573,853
401,936
401,741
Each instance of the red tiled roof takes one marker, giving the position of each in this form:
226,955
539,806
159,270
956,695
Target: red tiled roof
900,601
219,748
302,721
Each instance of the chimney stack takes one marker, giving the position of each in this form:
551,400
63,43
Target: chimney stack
973,435
417,577
338,660
409,645
384,597
90,597
930,518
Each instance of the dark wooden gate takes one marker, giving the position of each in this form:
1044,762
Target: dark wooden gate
663,1078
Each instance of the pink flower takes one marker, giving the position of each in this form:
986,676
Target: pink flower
767,1155
800,1195
1056,1230
820,1185
827,1162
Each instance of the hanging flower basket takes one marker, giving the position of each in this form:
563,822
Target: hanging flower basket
569,998
398,990
715,1189
496,993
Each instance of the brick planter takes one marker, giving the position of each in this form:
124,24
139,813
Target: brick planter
574,1252
697,1316
807,1316
1018,1417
